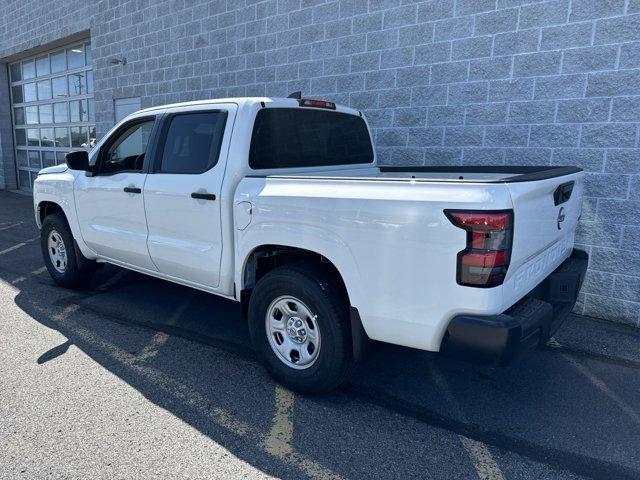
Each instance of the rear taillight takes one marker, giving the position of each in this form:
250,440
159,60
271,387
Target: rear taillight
484,262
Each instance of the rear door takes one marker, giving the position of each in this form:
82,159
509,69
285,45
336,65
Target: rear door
182,193
546,214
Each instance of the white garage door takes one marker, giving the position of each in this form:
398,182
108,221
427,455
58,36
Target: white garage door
52,105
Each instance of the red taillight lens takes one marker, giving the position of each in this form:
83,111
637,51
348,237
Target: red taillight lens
484,262
308,102
486,259
481,221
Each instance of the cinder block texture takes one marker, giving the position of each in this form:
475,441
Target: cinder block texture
455,82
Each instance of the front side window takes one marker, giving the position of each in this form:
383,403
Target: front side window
126,152
193,142
301,137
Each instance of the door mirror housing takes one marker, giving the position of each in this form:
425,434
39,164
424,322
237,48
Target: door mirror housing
78,160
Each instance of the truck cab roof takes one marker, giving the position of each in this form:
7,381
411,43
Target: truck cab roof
246,101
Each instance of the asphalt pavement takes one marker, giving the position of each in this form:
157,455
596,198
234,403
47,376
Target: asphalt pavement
134,377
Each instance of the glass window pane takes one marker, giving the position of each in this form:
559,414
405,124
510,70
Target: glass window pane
31,114
33,137
23,179
60,157
74,108
59,87
60,112
44,90
21,137
48,159
87,53
28,69
125,154
92,117
16,93
92,136
89,81
287,137
76,84
34,159
30,92
58,62
79,136
21,156
62,137
46,113
33,176
78,111
193,142
16,72
46,137
75,57
42,66
18,116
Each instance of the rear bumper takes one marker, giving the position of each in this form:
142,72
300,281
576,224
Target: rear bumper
499,339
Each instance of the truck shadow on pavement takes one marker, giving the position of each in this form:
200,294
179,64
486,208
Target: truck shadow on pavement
570,410
543,409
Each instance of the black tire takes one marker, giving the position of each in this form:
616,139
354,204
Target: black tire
78,268
319,291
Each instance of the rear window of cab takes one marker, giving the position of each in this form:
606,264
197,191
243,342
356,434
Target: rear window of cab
301,137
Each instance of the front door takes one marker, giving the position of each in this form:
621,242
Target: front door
183,195
110,202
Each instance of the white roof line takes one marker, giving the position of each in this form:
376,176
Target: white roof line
238,100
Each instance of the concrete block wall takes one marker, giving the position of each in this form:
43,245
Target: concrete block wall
442,82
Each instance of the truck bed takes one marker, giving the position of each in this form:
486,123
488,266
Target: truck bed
386,230
456,174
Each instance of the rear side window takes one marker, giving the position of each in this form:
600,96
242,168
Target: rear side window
193,142
299,137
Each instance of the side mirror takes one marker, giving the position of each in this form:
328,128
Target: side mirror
78,160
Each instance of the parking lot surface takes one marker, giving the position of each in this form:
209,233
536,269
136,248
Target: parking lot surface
133,377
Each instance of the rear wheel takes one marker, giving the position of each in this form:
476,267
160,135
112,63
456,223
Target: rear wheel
298,319
66,265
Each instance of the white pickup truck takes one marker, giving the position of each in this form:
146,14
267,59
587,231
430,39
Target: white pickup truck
280,205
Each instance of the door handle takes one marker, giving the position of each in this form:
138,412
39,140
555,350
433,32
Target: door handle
563,193
132,190
203,196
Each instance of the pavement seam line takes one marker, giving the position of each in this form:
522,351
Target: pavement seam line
33,273
17,246
279,440
151,350
485,465
221,417
7,227
160,338
113,279
599,384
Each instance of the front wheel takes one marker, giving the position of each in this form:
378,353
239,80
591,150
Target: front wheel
298,320
59,253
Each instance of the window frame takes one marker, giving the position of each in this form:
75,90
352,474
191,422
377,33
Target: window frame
162,140
104,148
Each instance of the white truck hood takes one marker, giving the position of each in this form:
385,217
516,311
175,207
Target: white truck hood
55,169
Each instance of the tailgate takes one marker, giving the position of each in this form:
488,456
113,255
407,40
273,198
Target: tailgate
546,214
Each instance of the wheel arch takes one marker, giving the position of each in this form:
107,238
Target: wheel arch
265,257
46,204
47,207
